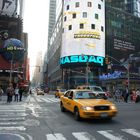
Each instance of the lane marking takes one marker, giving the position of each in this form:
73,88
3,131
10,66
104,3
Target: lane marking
133,132
56,136
83,136
110,136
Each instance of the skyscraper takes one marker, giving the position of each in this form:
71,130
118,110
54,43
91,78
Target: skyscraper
52,18
130,6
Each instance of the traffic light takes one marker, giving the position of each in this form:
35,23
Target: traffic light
106,60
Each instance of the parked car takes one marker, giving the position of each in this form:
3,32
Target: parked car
59,92
40,92
95,89
87,104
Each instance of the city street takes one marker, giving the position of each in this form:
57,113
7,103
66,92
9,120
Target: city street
40,118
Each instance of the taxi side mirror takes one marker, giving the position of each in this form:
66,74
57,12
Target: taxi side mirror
70,97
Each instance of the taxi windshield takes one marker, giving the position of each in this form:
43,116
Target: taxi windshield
96,89
62,90
86,95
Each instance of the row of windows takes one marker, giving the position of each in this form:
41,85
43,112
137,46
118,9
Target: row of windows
81,26
77,4
84,14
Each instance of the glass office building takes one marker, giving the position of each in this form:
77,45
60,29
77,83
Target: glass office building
122,49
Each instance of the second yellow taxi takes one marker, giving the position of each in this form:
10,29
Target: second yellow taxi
87,104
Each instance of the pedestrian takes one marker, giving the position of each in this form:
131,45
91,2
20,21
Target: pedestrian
1,93
16,93
20,93
10,93
126,94
137,95
118,95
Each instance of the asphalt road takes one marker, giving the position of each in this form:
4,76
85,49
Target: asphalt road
40,118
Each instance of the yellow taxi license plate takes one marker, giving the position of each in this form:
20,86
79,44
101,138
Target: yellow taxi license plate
103,115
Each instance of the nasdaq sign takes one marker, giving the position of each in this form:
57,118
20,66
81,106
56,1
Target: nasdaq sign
82,59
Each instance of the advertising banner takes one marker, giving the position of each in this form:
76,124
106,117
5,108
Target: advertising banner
8,7
83,31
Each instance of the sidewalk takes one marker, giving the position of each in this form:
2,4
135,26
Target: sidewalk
113,101
4,100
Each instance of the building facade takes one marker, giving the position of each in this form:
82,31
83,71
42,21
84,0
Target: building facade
13,63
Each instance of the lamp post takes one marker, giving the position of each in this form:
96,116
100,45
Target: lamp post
11,68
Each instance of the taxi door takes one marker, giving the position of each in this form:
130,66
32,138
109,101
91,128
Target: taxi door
65,100
70,101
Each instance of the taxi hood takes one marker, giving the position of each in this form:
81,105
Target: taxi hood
92,102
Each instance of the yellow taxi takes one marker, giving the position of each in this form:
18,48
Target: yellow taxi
87,104
59,92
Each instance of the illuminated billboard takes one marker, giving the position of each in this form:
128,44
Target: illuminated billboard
83,38
8,7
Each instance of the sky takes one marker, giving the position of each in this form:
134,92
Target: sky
35,23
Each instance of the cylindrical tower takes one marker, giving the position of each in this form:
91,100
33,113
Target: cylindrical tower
83,38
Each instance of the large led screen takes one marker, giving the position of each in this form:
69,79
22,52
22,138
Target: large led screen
8,7
83,31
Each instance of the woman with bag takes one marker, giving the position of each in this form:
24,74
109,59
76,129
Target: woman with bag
10,92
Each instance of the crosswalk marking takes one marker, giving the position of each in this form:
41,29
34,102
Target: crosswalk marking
110,136
133,132
46,100
56,136
9,123
12,117
83,136
10,128
13,114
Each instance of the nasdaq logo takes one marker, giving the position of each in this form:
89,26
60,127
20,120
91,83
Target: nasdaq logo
82,59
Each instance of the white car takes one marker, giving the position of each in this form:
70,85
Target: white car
96,89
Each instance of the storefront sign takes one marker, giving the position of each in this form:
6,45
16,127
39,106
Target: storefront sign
115,75
82,59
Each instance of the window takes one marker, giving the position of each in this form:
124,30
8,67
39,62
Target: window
68,7
102,28
84,14
96,16
74,15
81,25
99,6
77,4
92,26
70,27
89,4
65,18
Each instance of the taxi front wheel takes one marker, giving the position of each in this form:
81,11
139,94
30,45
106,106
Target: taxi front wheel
62,108
76,114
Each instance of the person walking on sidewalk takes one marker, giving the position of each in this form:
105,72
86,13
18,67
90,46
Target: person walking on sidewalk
1,93
16,93
118,95
10,93
126,94
20,93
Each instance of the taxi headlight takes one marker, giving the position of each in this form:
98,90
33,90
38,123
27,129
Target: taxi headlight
87,108
112,107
